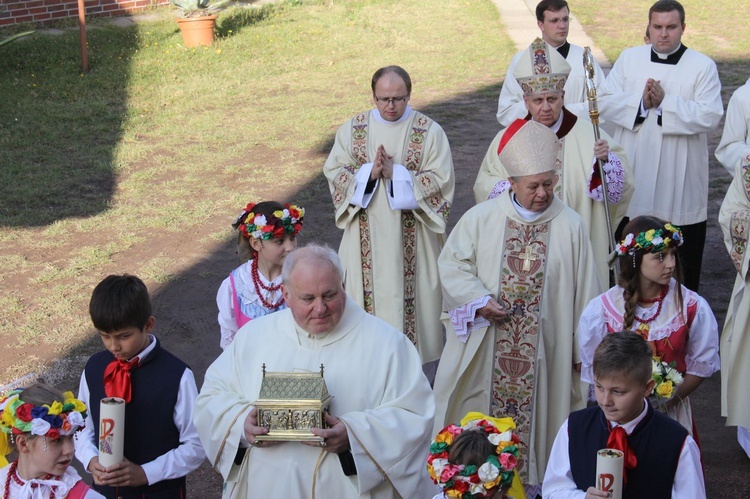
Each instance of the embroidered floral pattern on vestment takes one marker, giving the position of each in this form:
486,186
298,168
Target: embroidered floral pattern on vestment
521,286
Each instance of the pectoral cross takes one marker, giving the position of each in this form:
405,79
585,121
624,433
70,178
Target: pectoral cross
527,256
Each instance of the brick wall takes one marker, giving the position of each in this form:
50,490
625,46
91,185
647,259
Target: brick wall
24,11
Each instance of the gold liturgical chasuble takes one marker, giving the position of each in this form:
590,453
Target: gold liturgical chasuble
542,272
390,256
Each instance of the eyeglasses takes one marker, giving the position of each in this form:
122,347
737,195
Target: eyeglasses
392,100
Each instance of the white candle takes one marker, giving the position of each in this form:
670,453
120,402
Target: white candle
609,464
111,431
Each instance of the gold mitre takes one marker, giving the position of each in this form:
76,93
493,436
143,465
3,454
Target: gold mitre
541,69
528,148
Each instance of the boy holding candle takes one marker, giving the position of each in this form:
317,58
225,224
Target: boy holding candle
660,458
161,443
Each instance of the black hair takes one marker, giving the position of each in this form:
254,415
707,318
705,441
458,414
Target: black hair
667,6
550,5
119,302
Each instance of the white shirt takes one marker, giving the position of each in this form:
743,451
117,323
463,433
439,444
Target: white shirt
176,463
558,479
42,489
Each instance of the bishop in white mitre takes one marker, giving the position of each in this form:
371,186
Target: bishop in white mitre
516,273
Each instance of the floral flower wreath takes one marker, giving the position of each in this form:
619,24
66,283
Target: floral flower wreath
469,481
51,421
281,223
651,241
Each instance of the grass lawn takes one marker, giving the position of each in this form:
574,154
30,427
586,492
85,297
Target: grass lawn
615,26
101,173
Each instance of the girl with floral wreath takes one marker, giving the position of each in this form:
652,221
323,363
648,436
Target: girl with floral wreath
477,459
267,233
651,300
41,422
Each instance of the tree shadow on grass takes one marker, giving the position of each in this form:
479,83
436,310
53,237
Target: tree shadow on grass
48,108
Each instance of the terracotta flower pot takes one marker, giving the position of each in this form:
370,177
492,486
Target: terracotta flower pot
197,31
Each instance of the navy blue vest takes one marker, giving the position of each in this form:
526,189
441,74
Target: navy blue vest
657,443
149,416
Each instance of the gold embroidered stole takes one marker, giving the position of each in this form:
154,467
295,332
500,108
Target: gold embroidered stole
739,225
559,163
521,283
413,159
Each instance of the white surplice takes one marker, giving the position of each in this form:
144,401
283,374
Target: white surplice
669,161
380,393
575,167
380,274
735,139
472,266
510,105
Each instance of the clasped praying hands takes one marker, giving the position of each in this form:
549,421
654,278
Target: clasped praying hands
382,167
653,94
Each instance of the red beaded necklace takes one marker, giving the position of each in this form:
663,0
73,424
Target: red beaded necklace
259,285
659,299
14,476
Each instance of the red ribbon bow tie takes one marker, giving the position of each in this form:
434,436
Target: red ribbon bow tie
117,379
618,439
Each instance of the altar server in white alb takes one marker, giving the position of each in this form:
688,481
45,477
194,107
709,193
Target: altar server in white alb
390,173
734,218
380,417
542,73
734,147
664,99
553,19
516,274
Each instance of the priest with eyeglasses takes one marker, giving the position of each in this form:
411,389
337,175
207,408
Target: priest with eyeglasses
390,174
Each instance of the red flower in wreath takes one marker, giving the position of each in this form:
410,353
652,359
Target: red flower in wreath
53,433
461,486
24,412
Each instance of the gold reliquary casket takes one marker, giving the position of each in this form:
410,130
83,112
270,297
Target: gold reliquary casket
290,404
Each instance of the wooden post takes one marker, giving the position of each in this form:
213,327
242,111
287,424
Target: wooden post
82,28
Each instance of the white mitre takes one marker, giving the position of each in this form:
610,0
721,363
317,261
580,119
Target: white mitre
541,69
528,148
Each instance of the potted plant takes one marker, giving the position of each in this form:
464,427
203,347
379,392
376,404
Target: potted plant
198,20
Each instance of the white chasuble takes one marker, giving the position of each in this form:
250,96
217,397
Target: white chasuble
735,139
379,391
575,164
523,368
734,218
390,255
